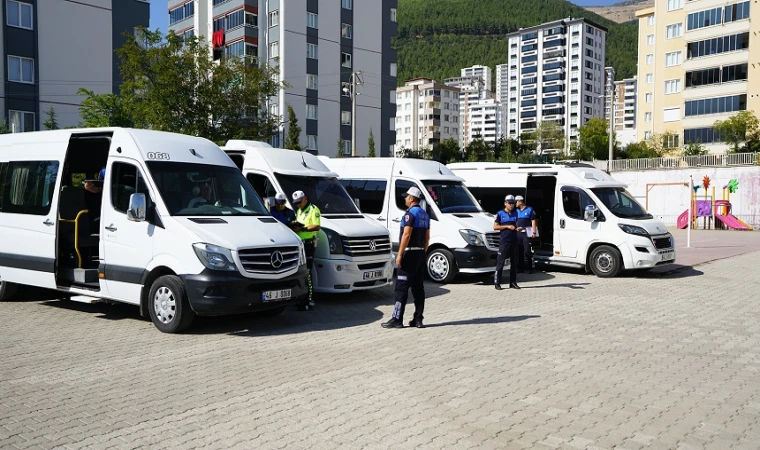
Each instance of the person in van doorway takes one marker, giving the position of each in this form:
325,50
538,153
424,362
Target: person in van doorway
506,224
410,262
93,197
526,225
282,212
306,226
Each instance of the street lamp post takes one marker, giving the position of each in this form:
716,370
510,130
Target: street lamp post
611,122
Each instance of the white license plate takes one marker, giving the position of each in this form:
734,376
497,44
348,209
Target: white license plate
373,274
668,256
272,296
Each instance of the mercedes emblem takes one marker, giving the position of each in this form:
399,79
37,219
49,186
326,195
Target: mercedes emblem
276,259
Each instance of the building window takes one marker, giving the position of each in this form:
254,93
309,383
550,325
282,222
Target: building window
648,97
30,187
704,135
673,31
346,147
21,121
312,81
671,141
647,117
650,59
393,14
274,50
311,142
672,86
274,110
19,14
274,18
717,45
311,20
393,96
647,135
345,60
347,4
737,11
718,105
650,78
183,12
251,20
345,117
650,20
235,19
650,39
672,59
394,70
311,112
675,4
312,51
347,31
705,18
20,70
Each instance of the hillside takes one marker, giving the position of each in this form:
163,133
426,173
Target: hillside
438,38
623,11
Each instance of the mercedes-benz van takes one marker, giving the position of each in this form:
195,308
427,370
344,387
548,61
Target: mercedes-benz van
353,252
160,220
586,218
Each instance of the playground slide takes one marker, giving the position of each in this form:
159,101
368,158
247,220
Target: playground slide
683,220
730,221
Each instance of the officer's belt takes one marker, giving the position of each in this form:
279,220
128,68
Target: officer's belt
414,248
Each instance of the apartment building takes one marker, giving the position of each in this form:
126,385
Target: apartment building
556,74
428,113
316,47
480,114
694,68
44,61
623,106
502,83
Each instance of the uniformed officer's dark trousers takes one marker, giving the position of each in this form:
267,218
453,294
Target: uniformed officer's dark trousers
309,249
525,251
410,275
507,250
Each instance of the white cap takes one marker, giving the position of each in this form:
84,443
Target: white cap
414,192
297,196
509,198
280,198
519,198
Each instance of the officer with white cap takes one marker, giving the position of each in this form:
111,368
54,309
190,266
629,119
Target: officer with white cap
281,212
526,227
506,223
414,239
307,225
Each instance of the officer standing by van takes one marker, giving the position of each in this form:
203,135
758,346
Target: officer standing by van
410,263
526,224
281,212
307,225
506,224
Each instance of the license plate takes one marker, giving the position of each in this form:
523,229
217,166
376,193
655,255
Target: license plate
273,296
373,274
667,256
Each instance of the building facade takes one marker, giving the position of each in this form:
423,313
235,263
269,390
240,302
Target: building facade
556,73
694,69
428,113
622,105
480,114
44,62
316,47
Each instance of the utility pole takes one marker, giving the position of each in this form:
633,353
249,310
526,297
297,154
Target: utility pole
350,89
611,86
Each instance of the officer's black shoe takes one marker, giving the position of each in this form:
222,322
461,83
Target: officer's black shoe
498,287
514,286
393,323
416,323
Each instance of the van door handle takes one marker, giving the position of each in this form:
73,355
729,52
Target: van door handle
48,222
111,228
381,218
562,223
397,220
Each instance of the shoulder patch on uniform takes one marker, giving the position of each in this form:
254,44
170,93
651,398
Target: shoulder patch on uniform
407,217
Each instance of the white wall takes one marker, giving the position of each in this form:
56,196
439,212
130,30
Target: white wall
73,55
668,202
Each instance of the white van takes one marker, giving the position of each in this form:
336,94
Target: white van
353,252
175,228
462,239
586,218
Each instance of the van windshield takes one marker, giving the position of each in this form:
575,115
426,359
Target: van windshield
452,197
190,189
326,193
621,203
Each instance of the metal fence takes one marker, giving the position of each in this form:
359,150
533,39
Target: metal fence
678,162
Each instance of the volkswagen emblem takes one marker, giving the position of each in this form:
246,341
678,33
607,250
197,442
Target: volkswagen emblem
276,259
372,245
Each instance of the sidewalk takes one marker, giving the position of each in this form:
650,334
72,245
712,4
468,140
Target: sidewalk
709,245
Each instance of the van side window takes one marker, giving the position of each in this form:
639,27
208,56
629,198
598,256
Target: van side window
126,180
574,203
3,172
371,193
29,187
401,187
261,185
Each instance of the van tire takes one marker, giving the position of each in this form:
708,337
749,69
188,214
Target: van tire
441,266
168,305
7,290
605,261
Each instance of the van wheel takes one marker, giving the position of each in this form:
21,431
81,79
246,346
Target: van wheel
441,266
168,304
7,290
605,261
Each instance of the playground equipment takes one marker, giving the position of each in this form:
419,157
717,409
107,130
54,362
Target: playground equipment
715,213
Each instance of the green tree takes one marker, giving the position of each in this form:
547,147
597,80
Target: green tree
104,110
593,140
293,136
4,127
694,149
739,128
371,144
341,144
549,136
636,150
478,150
446,152
51,123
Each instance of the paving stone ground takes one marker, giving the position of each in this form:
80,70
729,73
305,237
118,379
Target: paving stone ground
660,361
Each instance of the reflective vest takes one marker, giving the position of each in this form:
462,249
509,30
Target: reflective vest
306,217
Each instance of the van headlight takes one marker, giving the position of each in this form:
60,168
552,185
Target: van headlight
633,229
215,257
472,237
301,254
334,241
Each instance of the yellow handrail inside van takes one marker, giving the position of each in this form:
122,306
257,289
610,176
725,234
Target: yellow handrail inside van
75,221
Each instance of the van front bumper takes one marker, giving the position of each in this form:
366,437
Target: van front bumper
214,293
475,259
342,275
642,253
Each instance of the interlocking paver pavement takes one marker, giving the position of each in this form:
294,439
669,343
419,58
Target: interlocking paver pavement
571,361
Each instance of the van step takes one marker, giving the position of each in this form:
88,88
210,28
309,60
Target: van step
79,276
84,299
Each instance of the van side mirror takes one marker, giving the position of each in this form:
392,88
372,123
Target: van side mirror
137,206
589,215
358,204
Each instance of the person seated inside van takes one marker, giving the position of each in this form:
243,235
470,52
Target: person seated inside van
202,193
93,196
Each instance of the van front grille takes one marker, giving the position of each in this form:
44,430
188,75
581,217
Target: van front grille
367,246
269,260
661,242
492,240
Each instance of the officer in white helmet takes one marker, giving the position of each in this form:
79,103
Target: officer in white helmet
306,226
506,223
